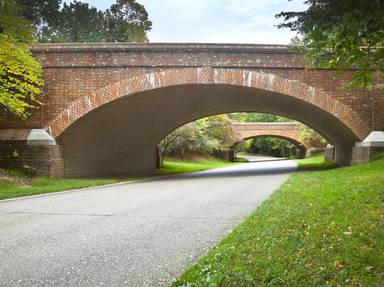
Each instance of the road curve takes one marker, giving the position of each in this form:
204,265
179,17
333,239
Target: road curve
134,234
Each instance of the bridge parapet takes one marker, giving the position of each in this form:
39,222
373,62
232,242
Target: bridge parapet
267,126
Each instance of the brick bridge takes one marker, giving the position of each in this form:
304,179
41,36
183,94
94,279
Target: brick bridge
289,131
106,106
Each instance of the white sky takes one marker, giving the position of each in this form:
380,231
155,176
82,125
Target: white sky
215,21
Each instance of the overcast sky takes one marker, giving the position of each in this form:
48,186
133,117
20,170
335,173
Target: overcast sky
215,21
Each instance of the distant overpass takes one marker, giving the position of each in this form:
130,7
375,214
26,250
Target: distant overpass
289,131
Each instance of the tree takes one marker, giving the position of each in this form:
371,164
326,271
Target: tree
219,129
127,21
124,21
13,24
342,34
43,14
178,141
79,22
310,137
205,135
268,145
20,72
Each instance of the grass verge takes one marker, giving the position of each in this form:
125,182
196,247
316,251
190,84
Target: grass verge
315,163
16,185
42,185
174,166
321,228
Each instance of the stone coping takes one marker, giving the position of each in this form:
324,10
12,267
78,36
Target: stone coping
159,47
31,136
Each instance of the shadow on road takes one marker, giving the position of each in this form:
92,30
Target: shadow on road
268,167
266,160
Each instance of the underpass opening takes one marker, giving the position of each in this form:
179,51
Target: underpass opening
288,148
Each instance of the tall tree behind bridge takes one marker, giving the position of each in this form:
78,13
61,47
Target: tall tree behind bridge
79,22
124,21
340,34
42,14
127,20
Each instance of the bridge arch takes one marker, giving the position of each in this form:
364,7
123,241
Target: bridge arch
115,129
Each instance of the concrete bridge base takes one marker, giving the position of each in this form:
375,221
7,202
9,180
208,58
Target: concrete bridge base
341,154
362,152
370,147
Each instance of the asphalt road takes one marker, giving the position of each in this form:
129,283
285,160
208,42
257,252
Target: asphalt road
134,234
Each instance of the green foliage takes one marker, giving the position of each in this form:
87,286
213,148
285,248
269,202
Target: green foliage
272,146
20,72
219,132
124,21
256,117
178,141
322,228
310,137
340,34
127,21
78,22
20,77
204,135
43,15
12,24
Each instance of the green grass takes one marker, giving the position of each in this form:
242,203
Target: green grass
321,228
173,166
315,163
42,185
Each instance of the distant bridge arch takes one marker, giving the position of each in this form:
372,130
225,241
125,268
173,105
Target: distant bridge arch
284,130
289,131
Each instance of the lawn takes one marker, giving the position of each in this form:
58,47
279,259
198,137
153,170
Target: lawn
41,185
173,166
22,186
321,228
317,162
